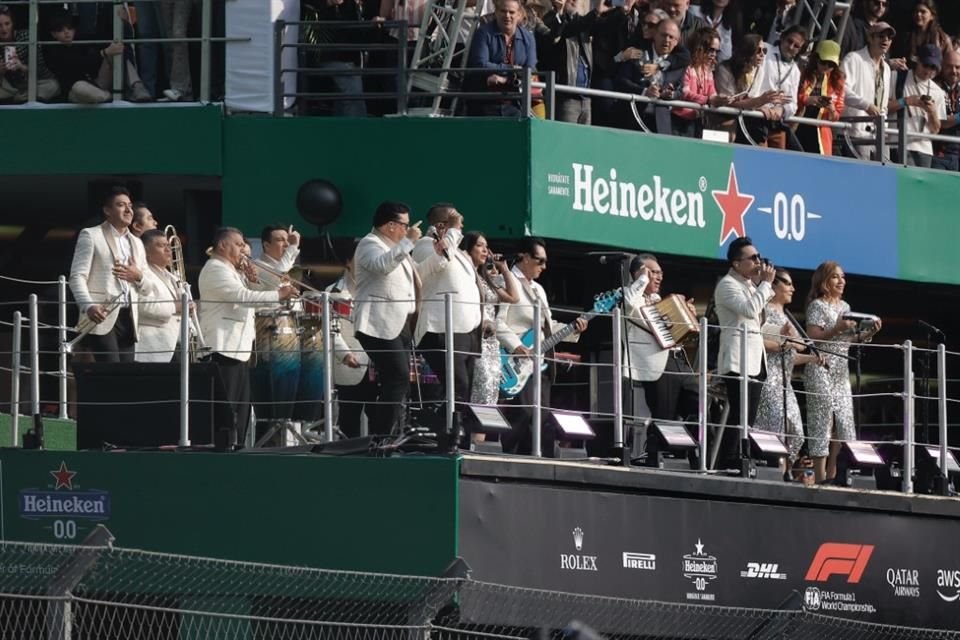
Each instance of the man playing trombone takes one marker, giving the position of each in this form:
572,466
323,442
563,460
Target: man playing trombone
160,310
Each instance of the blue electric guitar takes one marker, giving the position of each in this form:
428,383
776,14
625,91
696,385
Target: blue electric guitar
515,371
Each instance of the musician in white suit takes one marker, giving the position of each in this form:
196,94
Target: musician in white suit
281,247
108,266
740,298
444,268
160,310
227,320
513,321
387,289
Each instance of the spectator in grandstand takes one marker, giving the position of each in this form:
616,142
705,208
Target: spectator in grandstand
688,21
445,268
227,322
616,34
656,73
926,30
830,418
14,64
925,103
565,48
143,22
770,19
503,47
497,285
514,321
740,298
736,78
387,288
778,407
779,72
175,17
84,71
698,83
868,82
160,308
821,97
725,17
143,219
106,278
947,154
345,11
867,14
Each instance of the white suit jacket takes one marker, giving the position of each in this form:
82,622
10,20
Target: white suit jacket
644,360
514,320
91,274
739,301
227,309
440,275
386,293
159,320
266,281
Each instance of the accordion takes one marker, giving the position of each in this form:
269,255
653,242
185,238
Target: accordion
670,321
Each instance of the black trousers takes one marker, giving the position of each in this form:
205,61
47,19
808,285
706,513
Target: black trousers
351,402
116,346
235,375
730,444
391,359
466,348
520,440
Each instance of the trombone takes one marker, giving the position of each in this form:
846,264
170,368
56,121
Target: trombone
85,325
178,269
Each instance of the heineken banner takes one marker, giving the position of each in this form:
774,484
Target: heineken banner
876,567
692,198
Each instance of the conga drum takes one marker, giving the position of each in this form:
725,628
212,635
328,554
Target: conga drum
276,375
310,389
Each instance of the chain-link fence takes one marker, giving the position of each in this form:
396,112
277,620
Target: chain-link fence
105,593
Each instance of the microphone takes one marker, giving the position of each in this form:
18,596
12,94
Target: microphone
932,329
437,238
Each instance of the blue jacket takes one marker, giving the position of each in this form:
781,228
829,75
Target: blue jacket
489,45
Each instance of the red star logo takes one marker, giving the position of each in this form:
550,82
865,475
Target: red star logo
63,476
734,206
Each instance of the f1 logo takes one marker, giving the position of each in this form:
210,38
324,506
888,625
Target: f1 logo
835,558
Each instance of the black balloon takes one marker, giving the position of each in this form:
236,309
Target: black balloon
319,202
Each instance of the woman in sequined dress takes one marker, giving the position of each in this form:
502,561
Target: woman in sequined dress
497,284
829,396
780,341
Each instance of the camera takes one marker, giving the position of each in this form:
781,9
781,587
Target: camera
766,262
926,99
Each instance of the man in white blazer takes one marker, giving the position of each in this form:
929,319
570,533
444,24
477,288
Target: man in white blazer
740,298
444,268
281,247
386,296
160,310
108,266
227,321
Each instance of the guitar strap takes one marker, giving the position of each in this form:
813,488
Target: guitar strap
532,294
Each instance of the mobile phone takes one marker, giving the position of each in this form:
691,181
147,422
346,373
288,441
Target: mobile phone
9,56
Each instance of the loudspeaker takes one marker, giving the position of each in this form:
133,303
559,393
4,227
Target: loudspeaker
137,404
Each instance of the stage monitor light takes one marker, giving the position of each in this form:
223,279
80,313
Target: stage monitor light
768,444
934,453
572,426
488,419
674,435
864,453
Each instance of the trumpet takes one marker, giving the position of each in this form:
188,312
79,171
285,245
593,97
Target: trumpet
85,325
179,271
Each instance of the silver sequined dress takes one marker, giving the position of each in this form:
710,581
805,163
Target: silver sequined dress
828,389
486,373
771,408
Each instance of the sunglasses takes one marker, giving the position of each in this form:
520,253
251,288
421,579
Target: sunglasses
761,50
540,261
754,258
405,225
789,283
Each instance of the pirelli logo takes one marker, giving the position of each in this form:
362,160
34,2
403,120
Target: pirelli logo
839,559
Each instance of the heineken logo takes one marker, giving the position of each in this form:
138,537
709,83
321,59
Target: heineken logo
62,500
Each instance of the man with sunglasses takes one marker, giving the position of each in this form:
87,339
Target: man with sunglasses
947,154
857,34
740,297
613,41
868,82
925,103
387,287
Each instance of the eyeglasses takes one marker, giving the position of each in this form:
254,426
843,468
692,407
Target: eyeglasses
539,260
754,258
405,225
789,283
762,51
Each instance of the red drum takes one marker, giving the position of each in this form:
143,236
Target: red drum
312,308
343,308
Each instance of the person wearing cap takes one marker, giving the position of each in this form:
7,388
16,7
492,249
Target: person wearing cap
821,97
868,83
947,154
925,103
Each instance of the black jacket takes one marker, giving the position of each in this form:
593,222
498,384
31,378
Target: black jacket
610,37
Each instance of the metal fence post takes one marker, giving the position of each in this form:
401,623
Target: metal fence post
618,436
537,380
550,95
744,394
34,357
402,76
15,379
881,140
702,397
206,21
527,88
942,406
61,340
326,330
59,610
278,30
184,368
448,358
33,51
119,62
908,400
902,135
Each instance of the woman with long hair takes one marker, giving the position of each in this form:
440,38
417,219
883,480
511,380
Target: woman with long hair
737,76
698,84
497,284
926,29
778,410
830,418
724,16
821,96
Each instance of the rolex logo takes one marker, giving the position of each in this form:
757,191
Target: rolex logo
578,538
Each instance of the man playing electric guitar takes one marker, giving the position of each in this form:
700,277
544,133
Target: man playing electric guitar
513,321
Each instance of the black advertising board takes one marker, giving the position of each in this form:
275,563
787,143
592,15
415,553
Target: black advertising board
890,568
